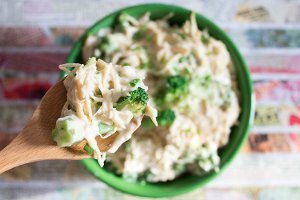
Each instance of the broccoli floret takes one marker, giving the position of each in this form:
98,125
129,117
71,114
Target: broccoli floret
174,90
179,168
176,83
64,133
204,82
140,33
61,134
136,101
124,20
145,177
105,128
134,82
146,65
88,149
164,118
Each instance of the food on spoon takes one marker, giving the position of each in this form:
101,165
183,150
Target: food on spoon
102,100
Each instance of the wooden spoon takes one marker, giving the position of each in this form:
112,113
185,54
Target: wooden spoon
34,143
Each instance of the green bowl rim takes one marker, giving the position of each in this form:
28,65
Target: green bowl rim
90,164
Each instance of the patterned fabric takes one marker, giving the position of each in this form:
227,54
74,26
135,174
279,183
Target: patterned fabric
36,36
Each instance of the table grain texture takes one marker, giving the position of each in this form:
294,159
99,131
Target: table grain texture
36,36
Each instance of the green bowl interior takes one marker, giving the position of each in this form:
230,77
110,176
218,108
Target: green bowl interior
239,132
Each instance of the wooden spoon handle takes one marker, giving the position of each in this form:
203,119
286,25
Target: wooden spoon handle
26,148
18,152
14,155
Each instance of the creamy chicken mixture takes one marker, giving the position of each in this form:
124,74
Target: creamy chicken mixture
192,85
102,99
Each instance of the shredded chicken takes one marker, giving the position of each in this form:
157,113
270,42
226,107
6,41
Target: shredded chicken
92,92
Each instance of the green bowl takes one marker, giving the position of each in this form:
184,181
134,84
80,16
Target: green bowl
238,134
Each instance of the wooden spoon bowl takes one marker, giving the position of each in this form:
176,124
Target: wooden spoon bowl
35,143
